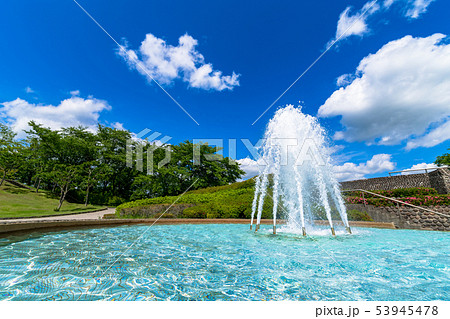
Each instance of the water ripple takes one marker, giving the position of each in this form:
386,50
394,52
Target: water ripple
223,262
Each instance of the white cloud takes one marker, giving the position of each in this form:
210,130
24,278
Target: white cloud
74,111
29,90
410,8
433,137
356,24
344,79
388,3
348,171
351,171
401,92
75,92
420,166
118,126
165,63
416,8
251,167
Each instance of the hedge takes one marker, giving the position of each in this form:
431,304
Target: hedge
397,193
437,200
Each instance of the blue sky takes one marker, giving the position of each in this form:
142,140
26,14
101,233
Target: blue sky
53,52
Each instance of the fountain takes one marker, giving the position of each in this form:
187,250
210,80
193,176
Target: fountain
297,173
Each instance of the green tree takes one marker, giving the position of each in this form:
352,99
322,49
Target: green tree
65,154
118,178
443,159
205,168
10,153
92,174
66,177
209,168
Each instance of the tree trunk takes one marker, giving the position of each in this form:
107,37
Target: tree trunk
87,196
61,198
3,178
38,185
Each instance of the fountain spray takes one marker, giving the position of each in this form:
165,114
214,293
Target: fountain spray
297,173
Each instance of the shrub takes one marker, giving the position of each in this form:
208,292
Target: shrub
116,201
398,193
109,216
357,215
194,212
154,211
436,200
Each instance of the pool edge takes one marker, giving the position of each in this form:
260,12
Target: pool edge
54,225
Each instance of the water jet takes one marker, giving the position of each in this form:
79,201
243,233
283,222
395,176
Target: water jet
297,173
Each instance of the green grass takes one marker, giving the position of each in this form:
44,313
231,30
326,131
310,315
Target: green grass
18,202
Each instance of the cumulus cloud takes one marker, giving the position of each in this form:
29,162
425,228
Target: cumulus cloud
355,24
251,167
420,166
74,111
155,59
377,164
348,171
402,92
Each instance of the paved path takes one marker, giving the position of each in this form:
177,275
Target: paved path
84,216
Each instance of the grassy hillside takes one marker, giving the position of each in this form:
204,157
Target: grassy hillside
19,202
229,201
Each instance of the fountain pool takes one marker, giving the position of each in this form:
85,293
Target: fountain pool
224,262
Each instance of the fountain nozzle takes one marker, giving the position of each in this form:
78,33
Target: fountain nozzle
332,231
251,227
348,229
274,229
304,231
256,227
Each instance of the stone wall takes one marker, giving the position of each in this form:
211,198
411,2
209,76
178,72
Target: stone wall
438,179
406,217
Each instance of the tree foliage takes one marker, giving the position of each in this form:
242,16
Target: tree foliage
10,153
91,167
443,159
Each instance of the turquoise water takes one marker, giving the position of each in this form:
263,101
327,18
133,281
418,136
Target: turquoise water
224,262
